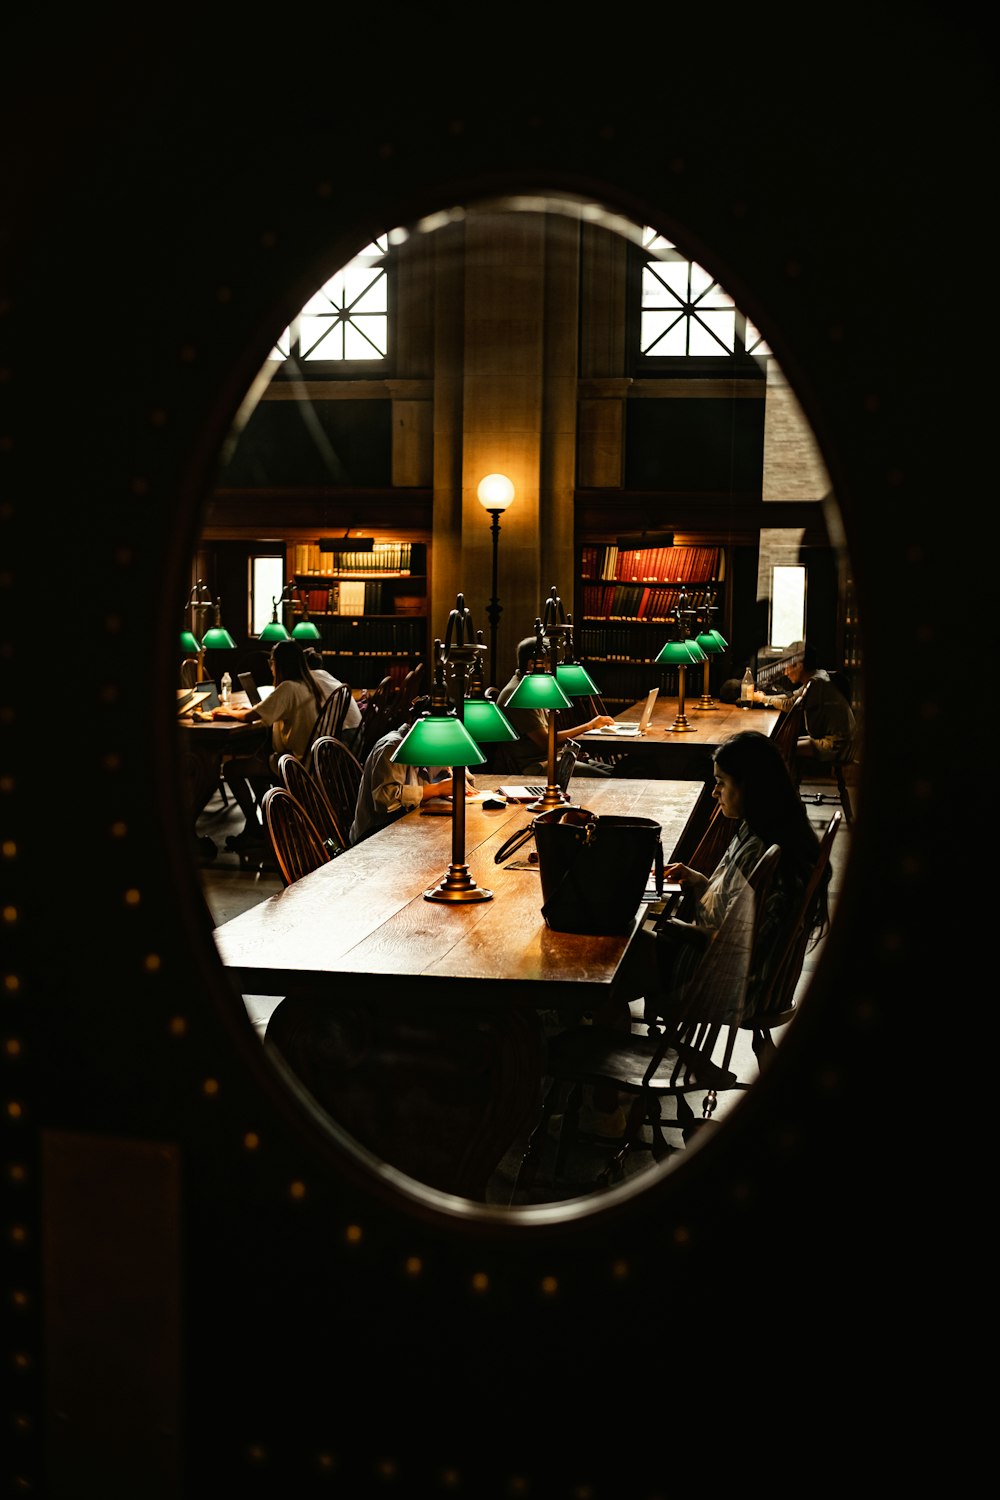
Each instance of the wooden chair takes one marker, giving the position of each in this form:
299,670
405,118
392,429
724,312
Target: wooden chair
777,1005
375,711
189,672
297,843
669,1062
337,771
330,719
297,778
789,727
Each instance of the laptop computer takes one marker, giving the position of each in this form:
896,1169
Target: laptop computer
565,766
631,730
254,693
197,699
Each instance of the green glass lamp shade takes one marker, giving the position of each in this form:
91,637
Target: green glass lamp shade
273,631
189,642
694,651
218,639
485,722
675,654
575,679
438,740
305,630
538,690
712,643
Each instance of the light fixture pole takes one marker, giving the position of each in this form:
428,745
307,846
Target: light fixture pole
494,493
199,603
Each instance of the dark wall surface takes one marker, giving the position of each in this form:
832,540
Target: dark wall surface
331,1336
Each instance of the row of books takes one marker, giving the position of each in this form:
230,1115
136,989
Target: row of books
628,682
638,601
353,596
619,643
372,637
387,557
654,564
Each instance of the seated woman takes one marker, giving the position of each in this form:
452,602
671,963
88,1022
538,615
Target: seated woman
289,714
754,789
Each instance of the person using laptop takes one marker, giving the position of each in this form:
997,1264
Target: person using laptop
389,789
288,715
529,753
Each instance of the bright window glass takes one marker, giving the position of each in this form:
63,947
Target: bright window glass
684,312
267,579
788,606
347,318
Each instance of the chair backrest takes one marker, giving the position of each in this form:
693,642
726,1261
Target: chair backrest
330,719
297,778
789,727
297,843
718,985
189,672
338,771
777,1003
375,706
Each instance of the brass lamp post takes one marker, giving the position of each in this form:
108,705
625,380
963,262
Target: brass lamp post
495,494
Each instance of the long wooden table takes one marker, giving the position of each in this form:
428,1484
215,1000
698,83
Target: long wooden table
416,1024
203,745
665,752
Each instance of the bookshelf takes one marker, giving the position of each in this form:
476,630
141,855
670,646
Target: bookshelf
370,607
627,610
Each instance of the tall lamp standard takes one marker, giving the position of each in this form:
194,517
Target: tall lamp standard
494,493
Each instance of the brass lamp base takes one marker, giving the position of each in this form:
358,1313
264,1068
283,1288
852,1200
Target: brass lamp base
681,724
706,703
553,796
458,885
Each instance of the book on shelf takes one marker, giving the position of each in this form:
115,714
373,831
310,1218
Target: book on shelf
351,597
385,557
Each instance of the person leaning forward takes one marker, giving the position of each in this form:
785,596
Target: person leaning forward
530,751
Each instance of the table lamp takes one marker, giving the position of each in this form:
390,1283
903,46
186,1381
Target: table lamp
540,690
439,738
274,630
484,720
713,644
680,654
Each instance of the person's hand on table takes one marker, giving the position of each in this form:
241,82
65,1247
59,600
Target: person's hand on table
600,721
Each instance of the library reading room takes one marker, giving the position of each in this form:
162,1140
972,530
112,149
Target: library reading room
481,935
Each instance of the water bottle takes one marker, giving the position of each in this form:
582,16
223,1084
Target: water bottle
746,690
227,683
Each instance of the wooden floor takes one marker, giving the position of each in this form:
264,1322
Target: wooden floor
229,890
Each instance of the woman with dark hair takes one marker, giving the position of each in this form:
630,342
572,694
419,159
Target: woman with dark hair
290,713
754,789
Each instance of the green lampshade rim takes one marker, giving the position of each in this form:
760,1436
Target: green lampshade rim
560,700
222,641
571,669
464,740
498,730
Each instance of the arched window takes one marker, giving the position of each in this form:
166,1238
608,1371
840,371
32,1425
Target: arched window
684,315
347,320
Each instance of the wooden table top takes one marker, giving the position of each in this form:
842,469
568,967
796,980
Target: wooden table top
363,915
709,727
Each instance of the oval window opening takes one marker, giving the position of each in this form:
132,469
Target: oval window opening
523,463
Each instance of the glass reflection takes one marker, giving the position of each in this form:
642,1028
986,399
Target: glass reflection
504,336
